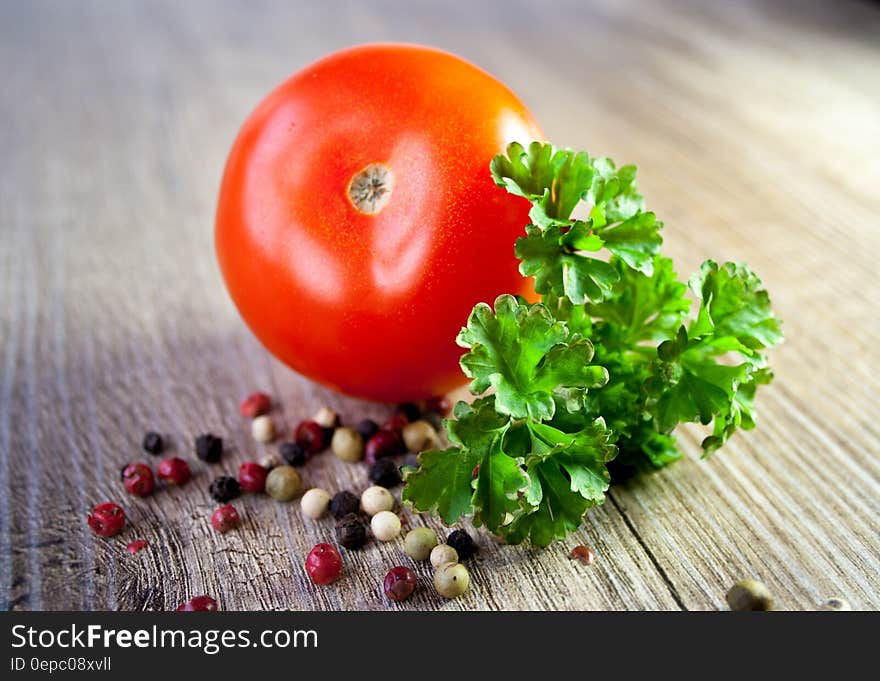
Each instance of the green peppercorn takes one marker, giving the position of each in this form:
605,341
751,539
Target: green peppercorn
749,595
419,542
451,580
283,483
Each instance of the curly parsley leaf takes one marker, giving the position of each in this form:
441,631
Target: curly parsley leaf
521,351
568,474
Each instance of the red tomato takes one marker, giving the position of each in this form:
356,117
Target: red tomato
358,223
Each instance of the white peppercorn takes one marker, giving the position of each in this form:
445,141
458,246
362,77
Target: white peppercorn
347,444
326,418
263,429
836,605
385,526
315,503
443,553
376,499
419,436
749,595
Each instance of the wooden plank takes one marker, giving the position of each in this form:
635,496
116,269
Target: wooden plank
752,126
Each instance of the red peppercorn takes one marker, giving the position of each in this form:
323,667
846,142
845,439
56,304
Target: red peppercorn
136,546
583,553
323,564
400,582
252,477
197,604
439,405
384,443
311,436
225,518
138,479
174,471
107,519
396,422
255,404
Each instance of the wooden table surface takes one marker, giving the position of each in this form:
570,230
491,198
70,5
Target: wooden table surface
756,127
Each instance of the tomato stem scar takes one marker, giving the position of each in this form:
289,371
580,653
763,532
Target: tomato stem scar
370,189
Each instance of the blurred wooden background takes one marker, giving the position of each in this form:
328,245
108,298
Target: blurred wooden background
756,128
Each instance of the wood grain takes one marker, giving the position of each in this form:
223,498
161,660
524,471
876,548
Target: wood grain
756,127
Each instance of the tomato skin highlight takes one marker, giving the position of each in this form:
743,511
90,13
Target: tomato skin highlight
370,304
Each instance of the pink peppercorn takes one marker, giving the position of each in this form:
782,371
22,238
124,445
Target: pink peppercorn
138,479
198,603
384,443
137,545
252,477
106,519
399,583
311,436
255,404
174,471
225,518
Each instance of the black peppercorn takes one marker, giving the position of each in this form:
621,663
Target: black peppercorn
209,447
293,454
224,489
351,532
153,443
462,543
385,473
344,503
367,428
410,410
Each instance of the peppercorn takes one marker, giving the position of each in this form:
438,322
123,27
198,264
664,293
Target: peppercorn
324,564
749,595
375,499
399,583
311,437
443,553
385,473
270,461
174,471
347,444
384,443
451,580
224,488
411,410
385,526
136,545
255,404
439,405
209,448
283,483
836,605
582,553
315,502
106,519
419,542
462,542
351,532
419,436
252,477
199,603
294,454
344,503
138,479
367,428
396,422
225,518
153,443
326,418
263,429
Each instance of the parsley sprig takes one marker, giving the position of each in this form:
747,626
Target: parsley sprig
602,370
